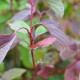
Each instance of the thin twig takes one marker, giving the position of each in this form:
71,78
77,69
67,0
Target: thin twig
58,72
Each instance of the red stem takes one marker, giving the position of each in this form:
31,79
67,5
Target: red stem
39,13
33,61
31,15
31,39
25,28
11,5
27,31
58,72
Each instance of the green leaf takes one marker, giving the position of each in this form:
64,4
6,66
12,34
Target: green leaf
57,77
3,6
25,57
18,24
22,4
40,30
68,9
28,75
25,37
38,55
57,6
23,44
4,18
2,68
13,73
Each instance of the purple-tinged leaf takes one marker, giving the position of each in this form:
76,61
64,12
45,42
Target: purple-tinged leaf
5,43
75,28
43,43
23,15
73,72
65,24
54,28
8,42
70,51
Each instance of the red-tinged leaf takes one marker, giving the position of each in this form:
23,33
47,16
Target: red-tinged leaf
54,28
35,2
45,72
23,15
43,43
75,28
73,72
